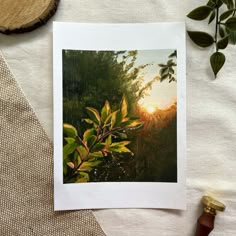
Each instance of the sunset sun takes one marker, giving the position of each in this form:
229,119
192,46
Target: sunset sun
150,109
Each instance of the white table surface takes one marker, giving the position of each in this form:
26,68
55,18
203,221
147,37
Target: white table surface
211,112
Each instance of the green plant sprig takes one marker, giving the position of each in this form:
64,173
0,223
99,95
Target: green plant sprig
223,13
81,155
168,70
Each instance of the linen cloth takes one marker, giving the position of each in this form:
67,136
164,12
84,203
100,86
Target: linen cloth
26,177
211,112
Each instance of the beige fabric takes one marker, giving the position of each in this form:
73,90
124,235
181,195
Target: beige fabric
26,155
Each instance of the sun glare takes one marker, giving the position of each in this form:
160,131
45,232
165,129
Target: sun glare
150,109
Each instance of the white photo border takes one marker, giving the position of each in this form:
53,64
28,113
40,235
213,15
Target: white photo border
140,36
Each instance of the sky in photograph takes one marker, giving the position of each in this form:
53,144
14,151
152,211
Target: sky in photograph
163,94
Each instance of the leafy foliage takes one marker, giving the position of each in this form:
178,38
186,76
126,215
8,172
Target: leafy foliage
167,70
223,43
217,61
200,13
81,155
223,12
85,71
202,39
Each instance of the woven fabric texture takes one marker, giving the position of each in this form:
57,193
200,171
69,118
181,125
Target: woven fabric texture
26,172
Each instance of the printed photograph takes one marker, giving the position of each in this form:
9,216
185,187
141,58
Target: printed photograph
119,116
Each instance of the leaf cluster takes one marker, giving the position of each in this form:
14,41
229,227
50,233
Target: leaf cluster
223,13
92,77
167,70
107,136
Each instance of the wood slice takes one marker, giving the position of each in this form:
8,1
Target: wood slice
18,16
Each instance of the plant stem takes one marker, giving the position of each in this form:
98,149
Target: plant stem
234,7
82,142
217,26
109,132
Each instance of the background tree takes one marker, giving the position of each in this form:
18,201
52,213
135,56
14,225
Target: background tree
85,71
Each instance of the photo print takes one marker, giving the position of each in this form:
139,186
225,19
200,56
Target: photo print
119,116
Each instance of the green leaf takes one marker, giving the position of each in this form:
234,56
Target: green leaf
223,43
230,4
129,122
65,168
108,120
164,71
231,23
87,134
91,140
161,65
94,163
202,39
120,150
118,144
132,124
124,107
88,121
85,168
108,140
77,158
116,118
211,3
219,3
82,178
95,155
94,115
212,17
69,148
217,61
71,165
174,54
170,62
106,111
82,152
226,14
121,135
222,32
200,13
70,140
70,130
88,166
120,147
163,77
113,118
232,37
98,147
172,70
